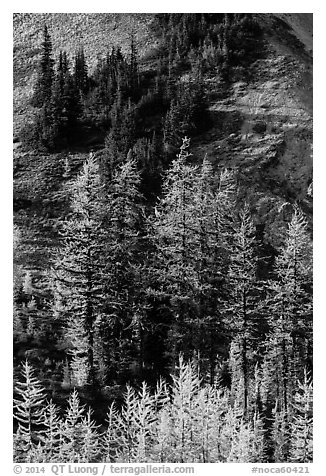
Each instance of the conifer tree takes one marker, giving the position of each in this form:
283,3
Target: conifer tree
62,70
73,430
186,385
172,235
110,160
91,447
78,271
243,303
28,411
133,67
292,291
123,223
191,237
288,346
27,285
302,423
213,215
280,432
290,310
128,128
187,112
52,437
65,106
122,133
81,72
43,89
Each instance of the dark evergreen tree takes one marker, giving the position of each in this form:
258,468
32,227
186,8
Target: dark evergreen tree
71,105
62,70
123,279
187,113
213,218
133,68
121,136
173,239
80,74
191,239
43,88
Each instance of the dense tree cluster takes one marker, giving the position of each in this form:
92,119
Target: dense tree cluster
156,257
117,100
181,422
132,289
210,41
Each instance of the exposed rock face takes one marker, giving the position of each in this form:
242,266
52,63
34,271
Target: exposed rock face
267,122
262,127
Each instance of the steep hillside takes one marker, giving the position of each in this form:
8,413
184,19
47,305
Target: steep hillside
163,206
300,25
69,31
260,124
269,119
289,35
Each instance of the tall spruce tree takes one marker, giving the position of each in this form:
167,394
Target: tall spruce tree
80,73
43,88
133,68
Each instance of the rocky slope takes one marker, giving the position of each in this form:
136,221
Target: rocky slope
270,120
95,32
261,127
